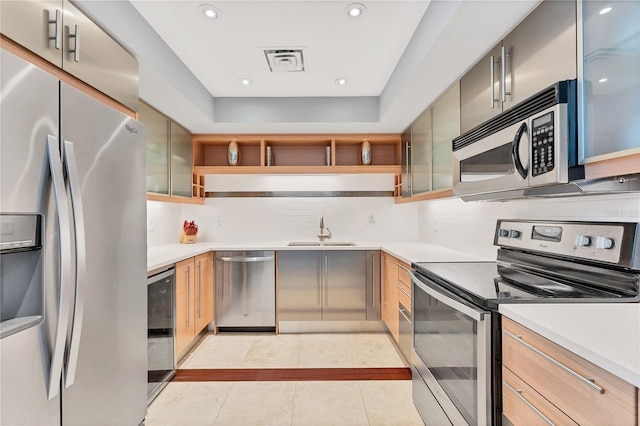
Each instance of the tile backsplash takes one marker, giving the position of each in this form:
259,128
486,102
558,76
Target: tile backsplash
285,219
470,226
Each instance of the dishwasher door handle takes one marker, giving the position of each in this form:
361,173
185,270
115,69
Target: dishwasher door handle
247,259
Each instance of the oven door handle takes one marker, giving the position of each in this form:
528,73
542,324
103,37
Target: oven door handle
475,314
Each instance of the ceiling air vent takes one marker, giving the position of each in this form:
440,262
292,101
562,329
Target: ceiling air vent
284,60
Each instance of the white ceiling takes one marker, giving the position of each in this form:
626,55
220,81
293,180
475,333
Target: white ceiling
399,58
221,51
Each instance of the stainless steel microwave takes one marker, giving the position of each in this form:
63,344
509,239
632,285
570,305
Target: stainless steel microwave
533,144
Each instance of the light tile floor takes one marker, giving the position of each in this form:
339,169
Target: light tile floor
343,403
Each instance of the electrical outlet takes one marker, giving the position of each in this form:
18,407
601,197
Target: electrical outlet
149,224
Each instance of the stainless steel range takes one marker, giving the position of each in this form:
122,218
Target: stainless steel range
457,327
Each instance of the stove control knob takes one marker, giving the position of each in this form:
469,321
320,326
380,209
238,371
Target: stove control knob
503,232
604,243
583,240
513,233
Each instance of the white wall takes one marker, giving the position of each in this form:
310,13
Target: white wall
470,226
284,219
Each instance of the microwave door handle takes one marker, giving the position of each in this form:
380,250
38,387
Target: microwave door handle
516,151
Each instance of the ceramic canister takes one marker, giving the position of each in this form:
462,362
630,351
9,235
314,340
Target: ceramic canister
365,157
233,154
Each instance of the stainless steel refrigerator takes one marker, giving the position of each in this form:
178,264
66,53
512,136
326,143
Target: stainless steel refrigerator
73,349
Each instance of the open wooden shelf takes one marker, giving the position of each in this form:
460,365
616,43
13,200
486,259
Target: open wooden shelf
296,153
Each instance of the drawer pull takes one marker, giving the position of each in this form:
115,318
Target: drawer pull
400,288
588,381
518,393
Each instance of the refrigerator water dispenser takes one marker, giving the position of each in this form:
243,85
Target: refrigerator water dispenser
21,272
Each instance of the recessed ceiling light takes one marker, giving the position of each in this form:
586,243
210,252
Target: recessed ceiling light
355,10
602,80
341,81
605,11
245,81
209,11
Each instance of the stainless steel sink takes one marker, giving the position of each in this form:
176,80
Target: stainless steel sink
318,244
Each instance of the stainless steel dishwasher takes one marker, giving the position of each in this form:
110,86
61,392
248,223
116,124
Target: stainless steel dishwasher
245,290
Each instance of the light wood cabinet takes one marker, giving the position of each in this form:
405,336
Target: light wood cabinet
185,326
203,311
396,289
194,299
296,153
390,314
584,392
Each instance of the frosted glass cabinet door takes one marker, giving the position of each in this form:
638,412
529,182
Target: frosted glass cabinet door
611,77
421,153
446,126
181,161
157,149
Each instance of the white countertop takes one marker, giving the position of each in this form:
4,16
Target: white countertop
608,334
168,254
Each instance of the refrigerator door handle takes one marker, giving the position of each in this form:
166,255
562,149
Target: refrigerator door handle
81,261
60,195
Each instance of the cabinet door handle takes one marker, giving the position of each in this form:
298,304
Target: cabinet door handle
518,393
326,280
319,280
492,91
373,280
585,380
199,288
503,74
188,295
76,46
56,36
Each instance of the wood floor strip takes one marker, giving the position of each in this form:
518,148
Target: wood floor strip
290,374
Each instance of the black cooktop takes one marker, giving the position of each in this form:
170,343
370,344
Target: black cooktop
487,284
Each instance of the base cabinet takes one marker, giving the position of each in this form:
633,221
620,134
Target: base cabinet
543,383
319,285
396,301
194,299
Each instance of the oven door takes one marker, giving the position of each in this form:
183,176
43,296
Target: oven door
452,341
497,162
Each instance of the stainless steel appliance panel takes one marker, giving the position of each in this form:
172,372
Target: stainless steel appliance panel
29,114
373,283
546,36
480,91
299,285
111,157
453,341
245,289
160,331
344,284
95,58
37,25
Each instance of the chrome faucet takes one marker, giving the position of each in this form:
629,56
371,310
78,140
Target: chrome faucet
322,236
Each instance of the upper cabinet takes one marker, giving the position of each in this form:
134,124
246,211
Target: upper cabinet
297,153
426,147
610,81
169,159
181,161
59,33
540,51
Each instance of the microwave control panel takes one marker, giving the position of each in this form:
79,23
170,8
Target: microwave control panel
542,145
